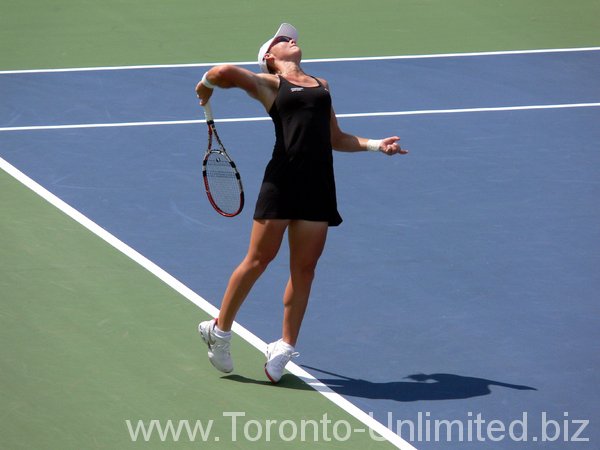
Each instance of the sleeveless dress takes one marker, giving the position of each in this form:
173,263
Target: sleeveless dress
299,182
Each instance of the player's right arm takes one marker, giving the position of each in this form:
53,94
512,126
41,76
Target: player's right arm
262,87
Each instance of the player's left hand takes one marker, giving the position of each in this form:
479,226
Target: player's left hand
390,146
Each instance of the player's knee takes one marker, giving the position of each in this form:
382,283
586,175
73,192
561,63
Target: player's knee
304,273
259,262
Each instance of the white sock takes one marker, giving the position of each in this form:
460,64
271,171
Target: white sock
221,334
286,346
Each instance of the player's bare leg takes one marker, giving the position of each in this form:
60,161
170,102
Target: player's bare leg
307,240
265,241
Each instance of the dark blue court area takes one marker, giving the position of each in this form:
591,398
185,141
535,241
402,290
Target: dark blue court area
463,284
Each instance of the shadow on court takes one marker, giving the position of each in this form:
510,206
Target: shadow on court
436,386
287,381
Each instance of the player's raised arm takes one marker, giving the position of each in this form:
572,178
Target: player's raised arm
259,86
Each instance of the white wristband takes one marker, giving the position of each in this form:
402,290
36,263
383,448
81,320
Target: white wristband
373,145
207,83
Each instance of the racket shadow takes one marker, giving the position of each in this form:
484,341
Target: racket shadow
436,386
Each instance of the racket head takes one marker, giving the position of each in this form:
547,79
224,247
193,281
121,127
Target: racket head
223,183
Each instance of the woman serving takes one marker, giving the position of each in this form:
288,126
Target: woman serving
297,192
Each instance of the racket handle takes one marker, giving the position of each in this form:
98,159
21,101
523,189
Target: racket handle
208,113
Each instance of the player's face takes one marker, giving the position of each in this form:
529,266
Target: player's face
283,45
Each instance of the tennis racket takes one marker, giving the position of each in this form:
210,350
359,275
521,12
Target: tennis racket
222,180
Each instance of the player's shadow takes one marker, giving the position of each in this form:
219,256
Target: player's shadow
435,386
287,381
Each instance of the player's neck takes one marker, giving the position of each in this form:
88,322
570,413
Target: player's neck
296,75
291,70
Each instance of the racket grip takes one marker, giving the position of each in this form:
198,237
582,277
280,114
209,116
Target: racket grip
208,113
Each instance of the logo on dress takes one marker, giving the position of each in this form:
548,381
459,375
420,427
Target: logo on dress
296,89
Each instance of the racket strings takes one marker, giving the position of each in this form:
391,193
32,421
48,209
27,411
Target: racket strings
223,183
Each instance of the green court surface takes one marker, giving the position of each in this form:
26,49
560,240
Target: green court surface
89,338
66,33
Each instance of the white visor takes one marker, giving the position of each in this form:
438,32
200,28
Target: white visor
285,29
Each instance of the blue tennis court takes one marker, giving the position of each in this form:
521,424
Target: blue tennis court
463,284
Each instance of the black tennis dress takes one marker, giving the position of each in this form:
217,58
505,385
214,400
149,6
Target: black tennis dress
299,181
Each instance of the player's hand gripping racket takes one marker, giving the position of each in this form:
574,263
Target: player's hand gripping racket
221,178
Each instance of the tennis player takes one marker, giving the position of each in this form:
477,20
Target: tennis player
297,192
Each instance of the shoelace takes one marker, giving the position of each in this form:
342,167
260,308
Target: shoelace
217,343
282,358
220,345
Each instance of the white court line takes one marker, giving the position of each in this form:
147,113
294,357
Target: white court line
264,118
211,310
318,60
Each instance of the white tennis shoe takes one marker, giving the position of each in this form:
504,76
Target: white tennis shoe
278,355
218,348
